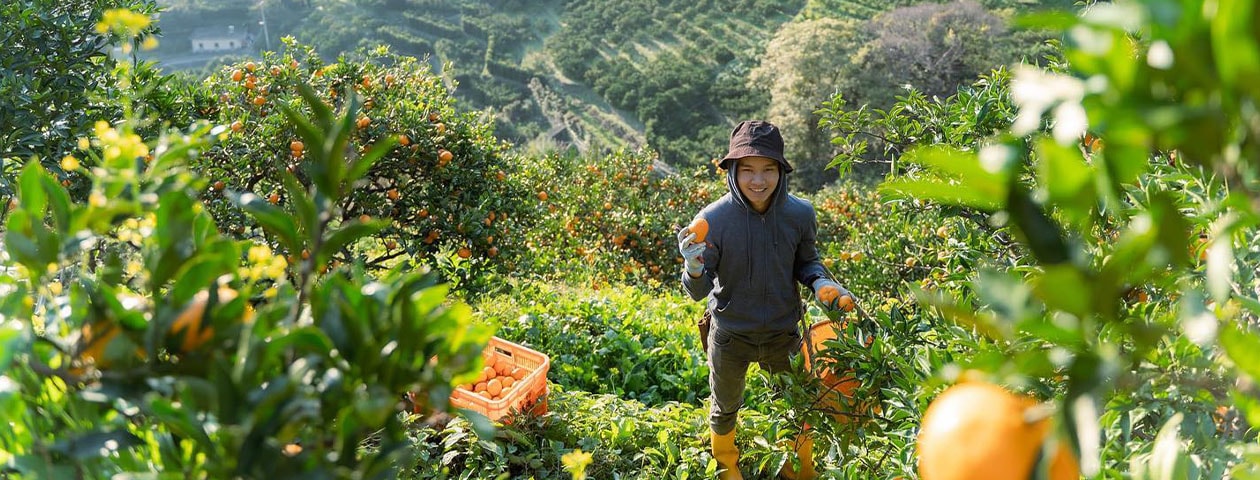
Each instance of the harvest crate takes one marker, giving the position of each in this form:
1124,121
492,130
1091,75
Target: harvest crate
527,394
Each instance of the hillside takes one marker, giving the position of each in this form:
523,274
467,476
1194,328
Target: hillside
670,75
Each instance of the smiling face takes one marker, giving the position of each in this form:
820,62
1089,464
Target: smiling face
757,178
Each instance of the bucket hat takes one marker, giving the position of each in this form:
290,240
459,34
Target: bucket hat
755,138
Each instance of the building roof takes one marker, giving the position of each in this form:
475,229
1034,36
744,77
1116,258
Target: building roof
221,31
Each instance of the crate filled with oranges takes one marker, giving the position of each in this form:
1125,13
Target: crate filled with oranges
514,379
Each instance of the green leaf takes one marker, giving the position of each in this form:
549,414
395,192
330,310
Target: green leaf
346,235
1040,232
272,218
1068,181
962,180
1242,347
1065,287
1168,461
986,324
97,444
360,167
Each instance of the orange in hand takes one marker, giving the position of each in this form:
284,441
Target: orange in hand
700,227
830,294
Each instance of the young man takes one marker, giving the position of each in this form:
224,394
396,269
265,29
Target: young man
760,243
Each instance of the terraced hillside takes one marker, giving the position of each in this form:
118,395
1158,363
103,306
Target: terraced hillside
671,75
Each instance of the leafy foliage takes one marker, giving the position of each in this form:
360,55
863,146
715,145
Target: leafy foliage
139,340
444,192
54,78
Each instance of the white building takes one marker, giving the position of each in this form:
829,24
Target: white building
219,39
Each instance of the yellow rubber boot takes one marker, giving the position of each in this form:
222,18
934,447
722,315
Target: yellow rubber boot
727,456
804,447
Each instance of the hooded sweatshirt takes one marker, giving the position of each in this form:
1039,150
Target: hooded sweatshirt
754,260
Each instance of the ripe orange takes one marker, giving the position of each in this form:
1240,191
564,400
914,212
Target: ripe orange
979,430
219,186
404,140
251,66
237,75
700,227
297,146
829,293
189,321
363,122
445,155
464,252
542,196
392,194
237,126
494,386
274,198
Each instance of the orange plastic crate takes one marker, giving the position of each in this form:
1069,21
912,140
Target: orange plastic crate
528,395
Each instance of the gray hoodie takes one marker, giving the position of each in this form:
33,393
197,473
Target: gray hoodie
754,260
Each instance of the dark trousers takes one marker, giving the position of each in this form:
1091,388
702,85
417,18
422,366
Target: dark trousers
730,355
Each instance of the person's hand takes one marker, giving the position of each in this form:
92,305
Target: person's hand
692,253
833,296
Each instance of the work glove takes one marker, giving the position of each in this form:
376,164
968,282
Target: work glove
830,295
692,253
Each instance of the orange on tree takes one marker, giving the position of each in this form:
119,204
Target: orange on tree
980,430
464,252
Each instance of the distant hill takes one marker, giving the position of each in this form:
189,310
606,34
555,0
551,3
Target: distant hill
595,74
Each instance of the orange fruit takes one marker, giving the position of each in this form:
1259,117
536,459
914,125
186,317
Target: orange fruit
494,386
274,198
250,66
444,155
189,322
542,196
979,430
404,140
508,381
237,126
297,146
487,373
700,227
440,127
519,373
219,185
492,360
237,75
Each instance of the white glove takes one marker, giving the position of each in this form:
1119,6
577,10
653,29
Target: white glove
692,253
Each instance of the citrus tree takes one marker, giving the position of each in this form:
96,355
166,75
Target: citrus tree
1124,180
138,340
446,189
